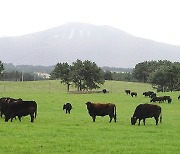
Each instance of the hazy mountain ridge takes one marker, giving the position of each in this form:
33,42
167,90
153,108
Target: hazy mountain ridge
105,45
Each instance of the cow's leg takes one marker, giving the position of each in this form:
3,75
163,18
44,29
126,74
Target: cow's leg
69,111
19,117
110,118
144,121
139,122
66,111
94,118
115,118
157,119
32,118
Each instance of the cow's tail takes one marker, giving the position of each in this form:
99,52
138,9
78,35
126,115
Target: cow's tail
35,112
114,113
160,116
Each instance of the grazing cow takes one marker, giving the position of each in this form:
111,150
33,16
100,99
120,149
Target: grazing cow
153,95
21,108
168,98
144,111
156,99
68,107
97,109
179,97
161,99
133,94
128,92
148,93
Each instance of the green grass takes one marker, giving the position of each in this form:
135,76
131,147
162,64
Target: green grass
55,132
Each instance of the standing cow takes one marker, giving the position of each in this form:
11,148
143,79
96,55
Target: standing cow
128,92
20,109
97,109
68,107
144,111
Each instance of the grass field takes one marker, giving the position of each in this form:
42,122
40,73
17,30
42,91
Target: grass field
55,132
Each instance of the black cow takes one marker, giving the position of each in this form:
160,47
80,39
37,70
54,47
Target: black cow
144,111
68,107
21,108
133,94
4,102
153,95
168,98
97,109
158,99
148,93
104,91
128,92
179,97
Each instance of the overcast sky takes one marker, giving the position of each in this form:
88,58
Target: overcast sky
158,20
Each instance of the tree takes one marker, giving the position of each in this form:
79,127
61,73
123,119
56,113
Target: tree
1,69
63,71
107,75
166,78
86,75
140,72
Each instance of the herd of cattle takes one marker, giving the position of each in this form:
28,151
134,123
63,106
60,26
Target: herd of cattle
153,96
141,112
12,108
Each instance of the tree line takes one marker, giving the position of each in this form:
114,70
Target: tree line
86,75
163,75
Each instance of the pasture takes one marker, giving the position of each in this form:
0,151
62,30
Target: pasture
56,132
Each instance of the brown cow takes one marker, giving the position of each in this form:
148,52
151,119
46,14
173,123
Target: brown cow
97,109
144,111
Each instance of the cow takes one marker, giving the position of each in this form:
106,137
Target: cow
153,95
144,111
148,93
133,94
179,97
128,92
168,98
21,108
158,99
4,102
98,109
68,107
104,91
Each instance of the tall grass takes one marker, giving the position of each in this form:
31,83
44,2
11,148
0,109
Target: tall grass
56,132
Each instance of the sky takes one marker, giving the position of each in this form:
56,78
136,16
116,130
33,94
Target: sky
157,20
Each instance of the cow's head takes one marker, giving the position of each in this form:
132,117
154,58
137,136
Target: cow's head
169,100
88,104
64,106
133,120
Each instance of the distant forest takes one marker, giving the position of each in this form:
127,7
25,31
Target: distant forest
9,67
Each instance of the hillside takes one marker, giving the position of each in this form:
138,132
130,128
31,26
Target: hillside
105,45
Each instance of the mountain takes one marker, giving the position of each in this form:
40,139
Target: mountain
107,46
